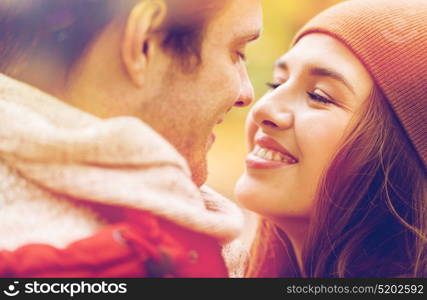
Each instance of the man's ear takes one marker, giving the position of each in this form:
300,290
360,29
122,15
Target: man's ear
145,18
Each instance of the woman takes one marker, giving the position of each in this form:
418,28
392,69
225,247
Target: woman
338,150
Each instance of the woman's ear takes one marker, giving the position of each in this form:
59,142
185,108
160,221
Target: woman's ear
144,19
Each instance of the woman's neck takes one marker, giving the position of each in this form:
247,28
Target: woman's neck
296,230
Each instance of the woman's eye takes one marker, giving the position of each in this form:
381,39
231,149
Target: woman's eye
319,98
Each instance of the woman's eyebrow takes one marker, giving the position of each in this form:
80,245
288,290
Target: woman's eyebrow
319,71
324,72
281,64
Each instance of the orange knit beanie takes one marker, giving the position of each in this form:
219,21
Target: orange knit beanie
390,39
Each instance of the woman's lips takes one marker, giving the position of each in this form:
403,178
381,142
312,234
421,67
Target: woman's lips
265,158
255,162
268,143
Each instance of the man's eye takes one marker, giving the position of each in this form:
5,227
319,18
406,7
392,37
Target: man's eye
272,85
319,98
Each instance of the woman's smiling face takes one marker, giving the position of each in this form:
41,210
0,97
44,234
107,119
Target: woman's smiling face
318,87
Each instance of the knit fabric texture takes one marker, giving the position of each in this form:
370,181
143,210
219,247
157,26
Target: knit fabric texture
390,38
52,153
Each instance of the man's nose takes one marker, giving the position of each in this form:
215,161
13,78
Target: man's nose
270,117
246,91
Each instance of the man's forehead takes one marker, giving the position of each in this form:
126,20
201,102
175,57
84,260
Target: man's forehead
238,12
243,17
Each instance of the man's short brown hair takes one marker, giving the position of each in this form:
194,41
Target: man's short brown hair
66,28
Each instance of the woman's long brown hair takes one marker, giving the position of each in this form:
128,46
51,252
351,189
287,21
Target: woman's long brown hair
370,218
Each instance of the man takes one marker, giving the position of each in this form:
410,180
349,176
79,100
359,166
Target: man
87,182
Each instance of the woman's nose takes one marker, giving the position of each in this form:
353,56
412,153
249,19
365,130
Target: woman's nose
269,116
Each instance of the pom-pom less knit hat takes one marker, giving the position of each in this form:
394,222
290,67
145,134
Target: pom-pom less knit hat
390,38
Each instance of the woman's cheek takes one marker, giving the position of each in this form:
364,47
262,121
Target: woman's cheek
320,143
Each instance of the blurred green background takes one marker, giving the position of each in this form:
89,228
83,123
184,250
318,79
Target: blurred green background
282,19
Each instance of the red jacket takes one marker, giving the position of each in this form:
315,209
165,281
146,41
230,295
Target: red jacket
144,246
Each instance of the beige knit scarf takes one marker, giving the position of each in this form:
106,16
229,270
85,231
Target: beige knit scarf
51,152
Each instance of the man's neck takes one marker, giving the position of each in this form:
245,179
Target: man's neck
40,69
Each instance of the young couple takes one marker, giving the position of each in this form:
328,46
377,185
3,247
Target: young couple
107,111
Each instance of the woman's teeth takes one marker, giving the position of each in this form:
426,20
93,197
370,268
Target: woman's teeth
269,154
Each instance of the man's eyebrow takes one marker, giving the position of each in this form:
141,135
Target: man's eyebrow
319,71
249,37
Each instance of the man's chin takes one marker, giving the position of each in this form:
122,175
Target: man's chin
199,171
196,156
